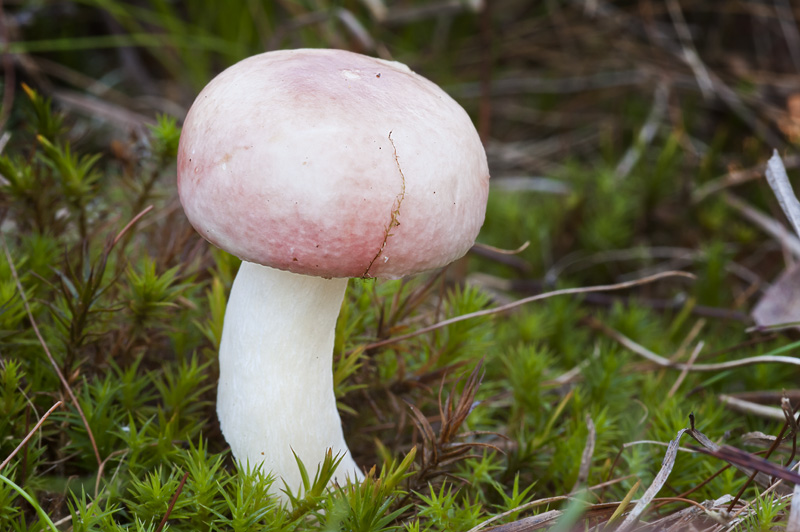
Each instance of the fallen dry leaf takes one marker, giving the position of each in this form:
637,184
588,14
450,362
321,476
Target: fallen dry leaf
780,304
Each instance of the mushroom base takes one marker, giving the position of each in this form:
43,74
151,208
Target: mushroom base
275,390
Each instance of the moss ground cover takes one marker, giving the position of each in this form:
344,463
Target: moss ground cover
613,152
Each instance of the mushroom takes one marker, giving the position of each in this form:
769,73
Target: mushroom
314,166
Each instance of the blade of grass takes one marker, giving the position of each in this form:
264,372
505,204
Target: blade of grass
24,494
623,505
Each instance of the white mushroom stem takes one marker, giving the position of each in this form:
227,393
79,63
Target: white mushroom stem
276,381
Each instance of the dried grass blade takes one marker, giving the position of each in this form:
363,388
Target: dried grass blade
744,459
758,438
131,224
793,523
647,133
586,457
425,428
738,177
501,251
623,505
469,445
769,225
356,29
537,297
748,407
779,181
655,487
689,52
530,523
30,434
666,363
685,371
455,417
744,462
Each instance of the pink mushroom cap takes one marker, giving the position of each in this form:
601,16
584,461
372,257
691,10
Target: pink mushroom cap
334,164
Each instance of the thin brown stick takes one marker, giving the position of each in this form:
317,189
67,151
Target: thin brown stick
697,487
685,371
680,499
774,446
130,224
102,468
172,503
52,360
501,251
30,434
99,475
523,301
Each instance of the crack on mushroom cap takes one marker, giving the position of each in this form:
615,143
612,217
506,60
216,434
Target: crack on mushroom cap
295,106
394,219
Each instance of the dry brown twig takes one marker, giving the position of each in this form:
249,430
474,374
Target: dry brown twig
172,502
586,457
538,297
738,177
501,251
685,371
579,261
30,434
757,468
748,407
705,78
440,449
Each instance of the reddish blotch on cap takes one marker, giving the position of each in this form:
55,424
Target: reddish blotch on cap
334,164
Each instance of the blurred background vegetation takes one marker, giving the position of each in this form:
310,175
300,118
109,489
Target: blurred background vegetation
624,138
